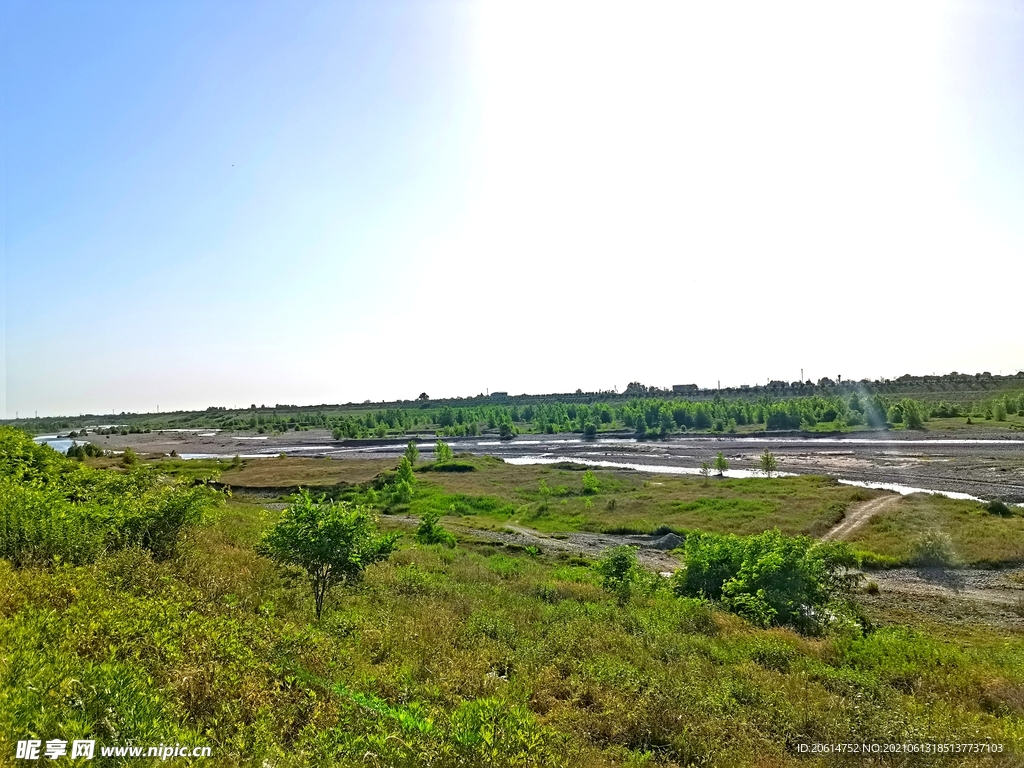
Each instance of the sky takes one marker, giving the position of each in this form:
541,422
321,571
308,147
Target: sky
226,203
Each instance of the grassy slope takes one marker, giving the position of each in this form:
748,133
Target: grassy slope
977,538
630,501
216,647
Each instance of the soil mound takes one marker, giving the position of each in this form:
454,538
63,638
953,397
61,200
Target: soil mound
667,542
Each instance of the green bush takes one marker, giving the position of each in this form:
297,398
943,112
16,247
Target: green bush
619,570
429,532
934,550
769,579
998,508
52,507
442,452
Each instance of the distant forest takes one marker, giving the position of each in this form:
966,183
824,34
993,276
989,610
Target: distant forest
825,405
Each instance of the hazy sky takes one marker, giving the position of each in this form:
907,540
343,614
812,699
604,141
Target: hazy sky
300,202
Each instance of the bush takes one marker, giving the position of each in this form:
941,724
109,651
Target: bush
429,532
769,579
934,550
404,472
442,452
619,569
721,464
590,483
998,508
401,492
53,507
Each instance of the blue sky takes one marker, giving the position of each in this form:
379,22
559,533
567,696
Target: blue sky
226,203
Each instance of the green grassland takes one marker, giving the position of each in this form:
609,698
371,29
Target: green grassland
489,493
438,646
552,499
472,655
974,535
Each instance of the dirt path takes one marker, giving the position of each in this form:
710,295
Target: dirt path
650,549
997,588
858,516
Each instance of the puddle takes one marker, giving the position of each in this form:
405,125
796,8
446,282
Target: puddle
661,469
906,490
903,490
61,444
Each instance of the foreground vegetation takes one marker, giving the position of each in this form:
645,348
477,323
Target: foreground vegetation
478,654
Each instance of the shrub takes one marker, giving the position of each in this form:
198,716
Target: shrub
412,452
998,508
429,532
401,492
769,579
404,472
442,452
590,483
934,550
491,731
619,569
721,464
53,507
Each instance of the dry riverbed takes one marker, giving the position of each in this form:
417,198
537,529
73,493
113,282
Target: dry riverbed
988,466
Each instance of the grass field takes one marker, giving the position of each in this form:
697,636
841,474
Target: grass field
553,499
217,647
481,654
975,537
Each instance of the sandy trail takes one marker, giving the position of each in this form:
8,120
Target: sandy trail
997,588
587,544
858,516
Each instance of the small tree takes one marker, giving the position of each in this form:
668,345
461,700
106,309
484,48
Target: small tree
721,464
333,542
705,471
590,482
429,532
442,452
618,569
404,473
412,452
768,463
912,417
